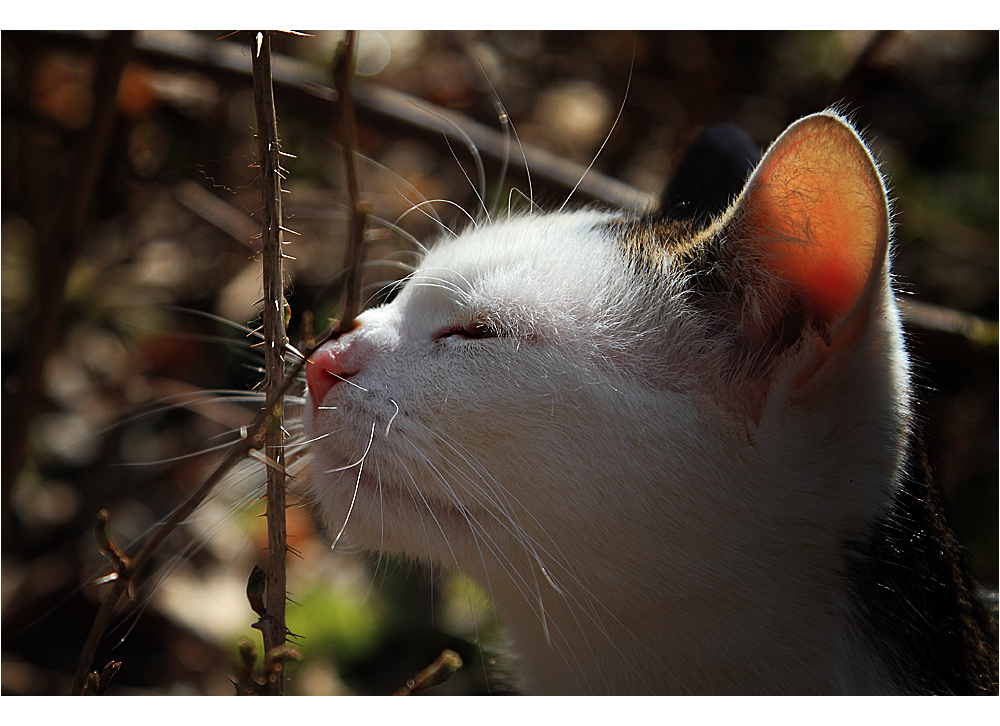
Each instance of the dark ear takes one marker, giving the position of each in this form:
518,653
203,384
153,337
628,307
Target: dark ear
711,174
806,244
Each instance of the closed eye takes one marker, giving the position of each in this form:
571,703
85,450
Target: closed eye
477,330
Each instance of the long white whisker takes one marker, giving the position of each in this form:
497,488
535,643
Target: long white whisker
360,464
477,158
506,119
360,461
479,195
402,232
420,205
381,541
628,85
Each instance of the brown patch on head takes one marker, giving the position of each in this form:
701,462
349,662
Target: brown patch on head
650,241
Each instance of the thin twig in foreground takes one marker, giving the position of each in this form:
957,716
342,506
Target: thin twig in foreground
343,78
272,624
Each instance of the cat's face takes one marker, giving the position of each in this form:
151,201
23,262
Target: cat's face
468,395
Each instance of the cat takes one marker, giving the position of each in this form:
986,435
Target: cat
676,449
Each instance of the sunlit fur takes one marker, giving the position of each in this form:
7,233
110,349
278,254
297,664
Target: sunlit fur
638,532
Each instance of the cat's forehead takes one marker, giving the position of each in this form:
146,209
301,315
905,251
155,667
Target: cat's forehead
522,255
539,241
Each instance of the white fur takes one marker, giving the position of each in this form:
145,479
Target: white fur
635,535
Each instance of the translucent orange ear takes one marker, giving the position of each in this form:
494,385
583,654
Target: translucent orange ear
815,215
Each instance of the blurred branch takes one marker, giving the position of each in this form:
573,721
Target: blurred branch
62,239
385,103
177,48
245,683
948,320
272,623
218,213
425,116
343,78
440,671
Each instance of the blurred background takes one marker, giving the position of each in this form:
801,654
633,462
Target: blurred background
119,362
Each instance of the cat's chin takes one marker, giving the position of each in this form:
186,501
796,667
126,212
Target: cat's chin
375,511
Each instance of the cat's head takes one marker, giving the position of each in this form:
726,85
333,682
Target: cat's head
555,382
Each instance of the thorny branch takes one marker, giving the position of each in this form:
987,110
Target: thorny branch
272,622
265,430
255,436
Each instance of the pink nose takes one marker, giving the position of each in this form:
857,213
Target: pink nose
325,369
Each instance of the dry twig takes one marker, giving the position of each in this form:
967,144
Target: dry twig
343,79
272,623
440,671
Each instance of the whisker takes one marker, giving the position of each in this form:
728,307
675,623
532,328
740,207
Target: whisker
628,85
479,195
360,464
402,232
458,567
477,158
506,120
393,418
420,205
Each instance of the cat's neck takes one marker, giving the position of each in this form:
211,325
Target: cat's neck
718,605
